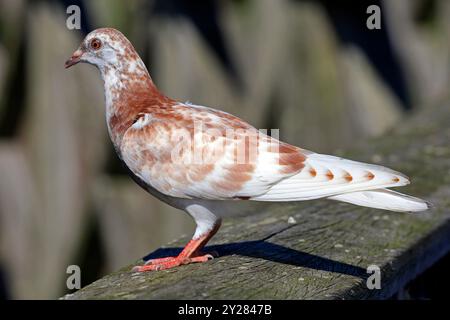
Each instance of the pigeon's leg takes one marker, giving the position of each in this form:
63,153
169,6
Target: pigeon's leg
190,254
193,249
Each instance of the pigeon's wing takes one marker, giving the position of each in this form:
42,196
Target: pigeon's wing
209,154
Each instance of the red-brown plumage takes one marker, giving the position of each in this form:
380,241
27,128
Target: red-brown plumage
137,98
150,147
370,175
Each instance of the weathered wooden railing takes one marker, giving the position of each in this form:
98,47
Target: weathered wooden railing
319,249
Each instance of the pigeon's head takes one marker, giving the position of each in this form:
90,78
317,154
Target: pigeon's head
104,48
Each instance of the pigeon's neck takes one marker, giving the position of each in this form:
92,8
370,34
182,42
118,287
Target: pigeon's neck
129,91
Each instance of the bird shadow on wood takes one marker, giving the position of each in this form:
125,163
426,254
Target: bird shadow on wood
261,249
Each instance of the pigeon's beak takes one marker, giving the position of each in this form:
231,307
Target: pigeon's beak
74,59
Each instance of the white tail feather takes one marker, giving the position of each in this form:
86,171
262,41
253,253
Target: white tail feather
329,179
384,199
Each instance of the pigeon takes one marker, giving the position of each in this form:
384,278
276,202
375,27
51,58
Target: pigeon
197,158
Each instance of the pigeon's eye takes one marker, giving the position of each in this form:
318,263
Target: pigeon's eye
96,44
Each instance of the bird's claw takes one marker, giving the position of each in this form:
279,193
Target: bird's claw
158,260
172,262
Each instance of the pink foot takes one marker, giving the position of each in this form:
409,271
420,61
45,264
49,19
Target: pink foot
190,254
170,262
158,260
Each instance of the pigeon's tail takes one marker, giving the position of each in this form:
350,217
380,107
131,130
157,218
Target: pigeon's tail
363,184
384,199
326,176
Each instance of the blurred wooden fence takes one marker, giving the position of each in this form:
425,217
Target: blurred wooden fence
56,180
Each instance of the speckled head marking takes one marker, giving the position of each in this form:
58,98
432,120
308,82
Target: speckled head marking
127,83
107,48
